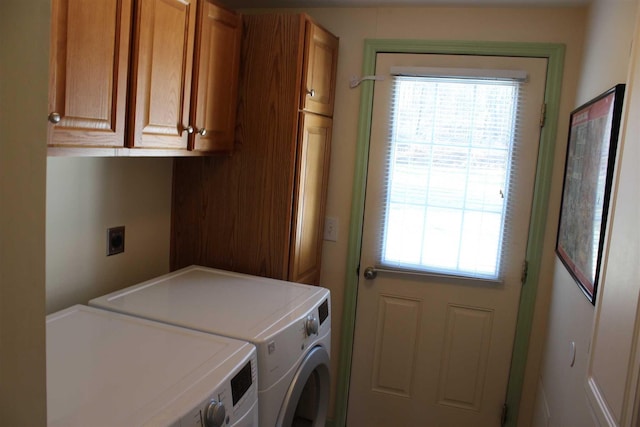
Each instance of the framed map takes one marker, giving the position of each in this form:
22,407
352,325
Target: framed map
588,173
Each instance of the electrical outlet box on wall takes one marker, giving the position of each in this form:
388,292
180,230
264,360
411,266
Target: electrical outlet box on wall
115,240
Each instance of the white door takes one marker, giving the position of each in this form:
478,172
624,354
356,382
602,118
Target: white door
432,346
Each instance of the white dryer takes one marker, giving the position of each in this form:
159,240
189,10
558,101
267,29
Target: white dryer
107,369
289,323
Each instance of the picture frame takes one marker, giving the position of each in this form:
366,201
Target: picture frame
586,189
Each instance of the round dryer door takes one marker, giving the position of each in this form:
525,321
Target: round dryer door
307,399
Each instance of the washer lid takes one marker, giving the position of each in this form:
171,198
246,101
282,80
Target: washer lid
237,305
107,369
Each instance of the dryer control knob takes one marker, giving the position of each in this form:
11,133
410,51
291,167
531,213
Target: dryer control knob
214,414
311,325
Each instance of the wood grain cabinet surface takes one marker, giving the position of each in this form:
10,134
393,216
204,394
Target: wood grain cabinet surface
261,210
215,80
161,69
135,76
90,45
321,56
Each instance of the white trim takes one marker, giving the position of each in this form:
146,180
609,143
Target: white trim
598,404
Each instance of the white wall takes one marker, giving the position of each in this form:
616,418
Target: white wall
606,59
85,196
24,31
352,26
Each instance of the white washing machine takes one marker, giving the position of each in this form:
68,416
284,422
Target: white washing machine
289,323
107,369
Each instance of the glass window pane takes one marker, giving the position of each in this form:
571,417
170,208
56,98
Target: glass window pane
480,247
448,174
405,229
442,238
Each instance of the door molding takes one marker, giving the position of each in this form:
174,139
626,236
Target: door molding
554,53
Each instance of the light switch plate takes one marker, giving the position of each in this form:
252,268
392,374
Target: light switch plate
331,229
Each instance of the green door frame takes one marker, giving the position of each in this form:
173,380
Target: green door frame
555,55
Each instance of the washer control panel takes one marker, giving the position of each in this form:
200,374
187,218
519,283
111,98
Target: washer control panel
232,404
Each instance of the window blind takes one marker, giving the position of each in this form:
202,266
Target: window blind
449,172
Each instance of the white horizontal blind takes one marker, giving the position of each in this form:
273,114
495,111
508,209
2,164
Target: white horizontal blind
449,172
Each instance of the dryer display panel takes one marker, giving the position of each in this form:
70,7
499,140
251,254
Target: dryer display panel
323,311
241,383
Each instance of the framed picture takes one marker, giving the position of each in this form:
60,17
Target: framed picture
588,173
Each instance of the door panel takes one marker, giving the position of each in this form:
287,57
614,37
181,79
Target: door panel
312,178
88,83
395,348
216,77
455,335
464,356
319,77
161,72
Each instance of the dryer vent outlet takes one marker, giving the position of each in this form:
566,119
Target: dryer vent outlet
115,240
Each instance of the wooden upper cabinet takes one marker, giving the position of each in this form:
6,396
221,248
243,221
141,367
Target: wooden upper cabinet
152,77
319,75
312,178
161,73
215,91
88,72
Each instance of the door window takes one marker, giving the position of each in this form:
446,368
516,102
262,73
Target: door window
451,153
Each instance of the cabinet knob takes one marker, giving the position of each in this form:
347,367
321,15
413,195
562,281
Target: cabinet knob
55,118
189,129
202,132
311,92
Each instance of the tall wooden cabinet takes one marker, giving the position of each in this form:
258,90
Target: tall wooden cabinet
261,210
143,74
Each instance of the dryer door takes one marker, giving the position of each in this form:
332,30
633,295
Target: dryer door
307,399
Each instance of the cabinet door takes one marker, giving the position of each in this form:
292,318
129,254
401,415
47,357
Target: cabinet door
216,69
319,71
162,61
312,177
88,72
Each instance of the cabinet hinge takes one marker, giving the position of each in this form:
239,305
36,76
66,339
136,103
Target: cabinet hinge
503,416
525,271
543,114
